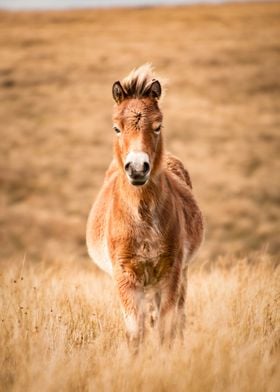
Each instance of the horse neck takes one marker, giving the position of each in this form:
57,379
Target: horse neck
132,196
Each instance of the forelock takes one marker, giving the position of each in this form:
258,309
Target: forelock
138,82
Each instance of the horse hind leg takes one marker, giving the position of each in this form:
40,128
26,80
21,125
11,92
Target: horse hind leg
181,311
154,307
167,323
181,314
172,309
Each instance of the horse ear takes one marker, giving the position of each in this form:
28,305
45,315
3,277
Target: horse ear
155,90
118,92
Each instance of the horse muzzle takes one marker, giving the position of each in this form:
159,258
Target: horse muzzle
137,168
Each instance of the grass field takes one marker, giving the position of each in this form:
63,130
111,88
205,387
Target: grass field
61,328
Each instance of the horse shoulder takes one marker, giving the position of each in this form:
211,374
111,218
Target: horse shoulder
97,221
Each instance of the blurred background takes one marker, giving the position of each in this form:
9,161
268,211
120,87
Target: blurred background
221,116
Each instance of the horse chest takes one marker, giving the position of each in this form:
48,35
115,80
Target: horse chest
149,245
150,263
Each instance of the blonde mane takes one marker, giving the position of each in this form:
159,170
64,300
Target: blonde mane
138,82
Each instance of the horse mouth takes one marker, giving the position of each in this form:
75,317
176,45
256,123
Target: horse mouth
138,181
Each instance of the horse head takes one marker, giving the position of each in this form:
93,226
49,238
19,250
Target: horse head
137,122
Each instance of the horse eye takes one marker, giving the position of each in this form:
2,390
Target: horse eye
157,130
116,129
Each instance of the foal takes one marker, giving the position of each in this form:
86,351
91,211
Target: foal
145,224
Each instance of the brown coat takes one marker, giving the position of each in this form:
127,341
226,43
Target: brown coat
144,236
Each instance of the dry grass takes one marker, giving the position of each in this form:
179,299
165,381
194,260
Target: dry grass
61,329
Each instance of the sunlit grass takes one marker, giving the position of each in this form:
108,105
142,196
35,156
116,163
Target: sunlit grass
61,329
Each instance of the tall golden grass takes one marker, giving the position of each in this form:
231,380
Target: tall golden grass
61,330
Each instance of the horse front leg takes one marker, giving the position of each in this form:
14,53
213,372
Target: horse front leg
132,304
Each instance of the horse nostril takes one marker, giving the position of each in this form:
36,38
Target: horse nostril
146,167
126,167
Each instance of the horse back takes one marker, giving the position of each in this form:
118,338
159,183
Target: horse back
175,166
181,187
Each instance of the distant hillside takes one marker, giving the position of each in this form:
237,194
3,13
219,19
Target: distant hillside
221,117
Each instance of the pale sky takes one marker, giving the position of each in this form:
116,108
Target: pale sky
64,4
